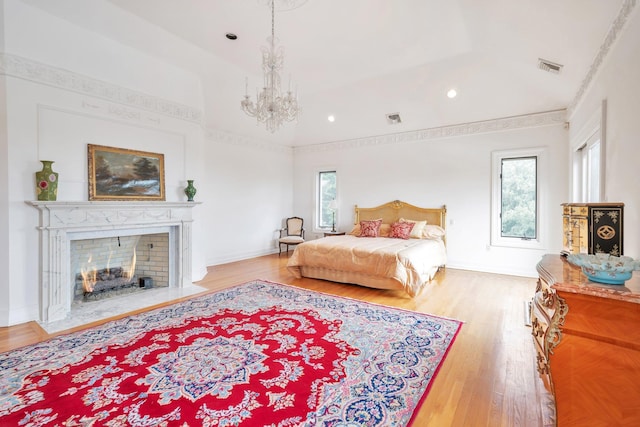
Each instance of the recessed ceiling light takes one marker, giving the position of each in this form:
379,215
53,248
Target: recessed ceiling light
452,93
231,36
331,118
394,118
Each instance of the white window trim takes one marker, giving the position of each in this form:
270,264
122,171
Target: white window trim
594,129
540,242
316,191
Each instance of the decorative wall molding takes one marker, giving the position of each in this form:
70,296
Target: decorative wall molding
217,136
27,69
120,112
557,117
610,39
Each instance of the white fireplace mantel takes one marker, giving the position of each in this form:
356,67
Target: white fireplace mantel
61,220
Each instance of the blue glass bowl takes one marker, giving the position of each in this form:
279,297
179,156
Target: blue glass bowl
607,277
604,268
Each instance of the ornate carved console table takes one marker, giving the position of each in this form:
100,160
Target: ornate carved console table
587,339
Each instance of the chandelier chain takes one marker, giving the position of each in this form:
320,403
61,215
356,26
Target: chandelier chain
273,20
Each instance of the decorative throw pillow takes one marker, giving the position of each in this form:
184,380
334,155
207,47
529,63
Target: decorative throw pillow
401,230
418,228
370,228
433,232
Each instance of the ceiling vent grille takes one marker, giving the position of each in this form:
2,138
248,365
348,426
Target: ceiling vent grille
549,66
394,118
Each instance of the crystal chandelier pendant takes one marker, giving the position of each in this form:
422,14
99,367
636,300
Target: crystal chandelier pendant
272,106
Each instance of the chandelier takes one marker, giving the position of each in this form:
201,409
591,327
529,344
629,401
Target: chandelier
272,106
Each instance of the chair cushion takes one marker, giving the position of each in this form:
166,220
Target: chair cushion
291,239
294,226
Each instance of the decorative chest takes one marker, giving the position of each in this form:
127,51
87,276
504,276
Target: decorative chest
587,347
590,228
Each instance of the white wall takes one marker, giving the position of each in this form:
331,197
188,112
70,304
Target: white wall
63,86
454,171
617,82
5,260
67,87
248,193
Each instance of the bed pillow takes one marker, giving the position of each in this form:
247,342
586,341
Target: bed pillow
370,228
355,231
401,230
433,232
418,228
384,230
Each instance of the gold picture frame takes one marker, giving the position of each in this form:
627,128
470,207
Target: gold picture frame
123,174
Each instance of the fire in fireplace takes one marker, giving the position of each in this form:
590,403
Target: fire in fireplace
106,267
108,280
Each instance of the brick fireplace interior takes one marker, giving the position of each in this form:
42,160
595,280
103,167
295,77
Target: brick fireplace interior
142,259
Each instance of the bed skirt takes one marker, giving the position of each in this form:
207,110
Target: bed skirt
355,278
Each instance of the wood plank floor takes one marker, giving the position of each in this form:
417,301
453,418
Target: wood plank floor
489,377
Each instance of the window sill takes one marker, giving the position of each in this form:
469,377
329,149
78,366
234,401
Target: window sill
518,243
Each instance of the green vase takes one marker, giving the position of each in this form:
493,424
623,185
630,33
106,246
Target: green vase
47,182
190,190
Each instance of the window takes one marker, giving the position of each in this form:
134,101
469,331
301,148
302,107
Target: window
516,198
325,215
587,166
588,147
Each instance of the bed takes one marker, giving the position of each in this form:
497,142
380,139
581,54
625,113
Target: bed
388,261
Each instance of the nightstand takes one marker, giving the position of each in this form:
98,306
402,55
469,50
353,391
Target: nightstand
334,233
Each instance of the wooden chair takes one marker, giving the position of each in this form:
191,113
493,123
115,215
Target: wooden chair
292,234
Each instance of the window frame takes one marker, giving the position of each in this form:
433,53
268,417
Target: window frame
539,242
592,133
317,214
586,169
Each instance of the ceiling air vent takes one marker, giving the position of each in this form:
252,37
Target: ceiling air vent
394,118
549,66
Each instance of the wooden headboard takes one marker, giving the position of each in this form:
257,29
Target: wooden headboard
391,212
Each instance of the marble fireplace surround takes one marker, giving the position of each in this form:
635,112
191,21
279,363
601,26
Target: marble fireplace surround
62,222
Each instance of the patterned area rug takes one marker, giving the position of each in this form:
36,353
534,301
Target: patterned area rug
258,354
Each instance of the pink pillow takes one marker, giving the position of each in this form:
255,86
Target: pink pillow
370,228
384,230
401,230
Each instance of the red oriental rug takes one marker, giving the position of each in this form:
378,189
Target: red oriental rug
258,354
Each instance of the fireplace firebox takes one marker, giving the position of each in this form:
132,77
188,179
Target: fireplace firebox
118,265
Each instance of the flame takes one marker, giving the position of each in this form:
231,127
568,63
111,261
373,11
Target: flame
89,275
132,269
108,268
89,272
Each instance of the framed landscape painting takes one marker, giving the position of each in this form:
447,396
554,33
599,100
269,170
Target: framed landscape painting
123,174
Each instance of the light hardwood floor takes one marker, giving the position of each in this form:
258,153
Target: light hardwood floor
489,376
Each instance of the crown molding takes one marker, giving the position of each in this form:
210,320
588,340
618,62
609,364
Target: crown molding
218,136
37,72
557,117
605,47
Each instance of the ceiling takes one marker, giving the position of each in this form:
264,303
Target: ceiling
362,59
